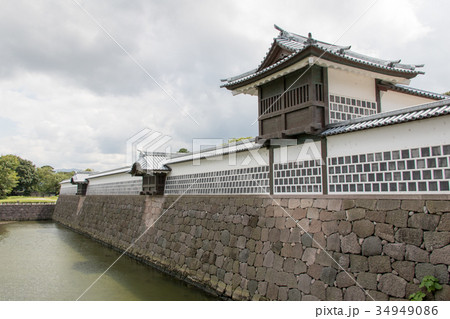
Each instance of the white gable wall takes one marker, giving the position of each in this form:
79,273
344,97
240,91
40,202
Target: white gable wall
392,100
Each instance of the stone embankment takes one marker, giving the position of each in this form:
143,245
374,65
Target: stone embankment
256,248
26,212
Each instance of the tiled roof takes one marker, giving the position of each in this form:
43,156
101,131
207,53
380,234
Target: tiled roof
296,44
419,92
153,162
414,113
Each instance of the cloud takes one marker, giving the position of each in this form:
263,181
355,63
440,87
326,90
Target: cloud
73,97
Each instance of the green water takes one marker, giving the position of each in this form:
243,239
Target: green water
45,261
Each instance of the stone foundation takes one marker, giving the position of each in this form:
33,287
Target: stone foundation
256,248
23,212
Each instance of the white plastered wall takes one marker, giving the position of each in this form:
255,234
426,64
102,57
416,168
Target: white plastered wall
297,153
68,189
427,132
391,100
349,84
244,159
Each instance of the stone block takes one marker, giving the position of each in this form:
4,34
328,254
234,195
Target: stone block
398,218
334,242
363,228
225,237
414,205
278,262
284,235
243,255
307,239
358,263
324,258
438,206
252,287
344,280
272,292
295,235
334,205
320,203
373,295
318,289
349,244
414,253
310,298
315,271
288,265
441,256
369,204
319,240
441,272
262,287
385,231
348,203
274,235
409,236
434,240
300,267
444,224
294,295
355,214
304,283
330,227
379,264
388,204
309,256
298,213
268,259
293,203
443,294
423,221
405,269
424,269
315,226
328,275
344,228
376,216
354,294
392,285
371,246
367,280
333,294
306,202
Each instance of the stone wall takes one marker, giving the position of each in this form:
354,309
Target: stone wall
257,248
22,212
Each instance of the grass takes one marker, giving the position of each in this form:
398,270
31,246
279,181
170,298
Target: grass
29,199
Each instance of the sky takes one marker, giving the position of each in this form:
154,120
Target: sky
78,79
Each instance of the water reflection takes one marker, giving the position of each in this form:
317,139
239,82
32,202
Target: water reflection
45,261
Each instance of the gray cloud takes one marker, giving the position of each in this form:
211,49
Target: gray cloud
74,97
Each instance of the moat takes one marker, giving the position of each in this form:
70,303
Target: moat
46,261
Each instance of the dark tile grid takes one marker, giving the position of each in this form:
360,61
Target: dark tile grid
250,180
298,177
425,169
345,108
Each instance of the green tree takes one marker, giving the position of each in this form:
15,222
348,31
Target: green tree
8,175
28,178
183,150
447,93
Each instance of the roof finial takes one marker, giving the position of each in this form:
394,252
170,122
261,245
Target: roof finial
310,39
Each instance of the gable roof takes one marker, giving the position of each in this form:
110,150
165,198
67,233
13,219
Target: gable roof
289,48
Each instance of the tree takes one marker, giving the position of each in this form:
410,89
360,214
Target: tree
28,178
447,93
8,175
49,180
183,150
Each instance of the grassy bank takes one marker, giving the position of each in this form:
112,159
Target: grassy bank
27,199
